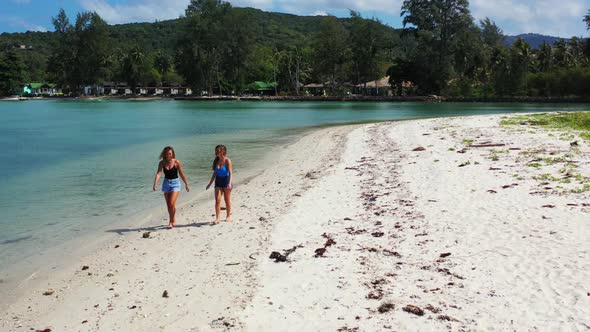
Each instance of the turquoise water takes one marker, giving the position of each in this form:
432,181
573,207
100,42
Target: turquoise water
76,167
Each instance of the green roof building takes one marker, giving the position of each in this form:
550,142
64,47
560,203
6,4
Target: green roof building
39,89
263,88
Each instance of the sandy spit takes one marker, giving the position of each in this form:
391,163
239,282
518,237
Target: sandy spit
440,224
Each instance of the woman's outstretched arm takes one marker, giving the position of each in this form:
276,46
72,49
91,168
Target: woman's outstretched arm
158,172
211,181
231,172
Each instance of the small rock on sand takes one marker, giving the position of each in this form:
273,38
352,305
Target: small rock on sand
413,310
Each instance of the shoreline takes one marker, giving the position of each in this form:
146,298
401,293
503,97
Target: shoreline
36,269
351,98
412,225
104,268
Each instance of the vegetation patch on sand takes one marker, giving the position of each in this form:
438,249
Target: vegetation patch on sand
575,121
559,170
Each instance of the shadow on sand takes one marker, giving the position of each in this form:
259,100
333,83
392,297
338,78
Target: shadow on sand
122,231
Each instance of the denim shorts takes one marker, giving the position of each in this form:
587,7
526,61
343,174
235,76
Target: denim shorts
171,185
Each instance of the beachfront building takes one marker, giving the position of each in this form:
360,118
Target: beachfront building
41,89
180,91
93,90
314,89
112,88
380,87
116,89
154,90
263,88
122,89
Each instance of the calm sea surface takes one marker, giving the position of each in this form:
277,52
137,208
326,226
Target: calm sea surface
75,168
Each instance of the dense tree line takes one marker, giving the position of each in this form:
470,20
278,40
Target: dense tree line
218,49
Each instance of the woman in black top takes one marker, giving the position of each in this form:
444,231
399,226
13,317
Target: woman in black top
171,184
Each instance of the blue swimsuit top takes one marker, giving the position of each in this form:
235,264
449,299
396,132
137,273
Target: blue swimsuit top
222,171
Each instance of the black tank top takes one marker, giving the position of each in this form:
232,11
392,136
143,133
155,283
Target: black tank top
171,173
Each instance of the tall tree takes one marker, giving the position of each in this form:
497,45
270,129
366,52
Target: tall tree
563,56
202,46
239,37
78,56
577,50
62,54
366,40
331,52
545,58
469,61
437,23
492,38
91,43
297,66
491,34
501,72
162,62
522,57
132,67
12,73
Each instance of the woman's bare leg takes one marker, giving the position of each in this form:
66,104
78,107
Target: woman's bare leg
218,193
172,208
171,205
167,197
227,197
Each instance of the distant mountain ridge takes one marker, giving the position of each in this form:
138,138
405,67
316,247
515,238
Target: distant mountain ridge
533,39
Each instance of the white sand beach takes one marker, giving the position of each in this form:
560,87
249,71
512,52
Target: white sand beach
437,224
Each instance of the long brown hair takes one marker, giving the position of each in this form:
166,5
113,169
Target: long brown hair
223,149
165,150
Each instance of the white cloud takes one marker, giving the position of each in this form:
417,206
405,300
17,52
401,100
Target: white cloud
260,4
35,27
136,11
307,7
561,18
19,23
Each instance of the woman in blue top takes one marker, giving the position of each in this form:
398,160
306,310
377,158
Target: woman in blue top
222,175
171,184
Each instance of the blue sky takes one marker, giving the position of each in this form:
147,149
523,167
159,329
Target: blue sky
560,18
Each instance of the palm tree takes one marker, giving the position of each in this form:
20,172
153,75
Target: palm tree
563,55
132,63
524,57
137,55
545,58
576,47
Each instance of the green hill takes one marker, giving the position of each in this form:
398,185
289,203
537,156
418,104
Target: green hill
272,29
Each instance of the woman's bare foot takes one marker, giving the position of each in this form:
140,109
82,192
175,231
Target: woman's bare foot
228,219
170,226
